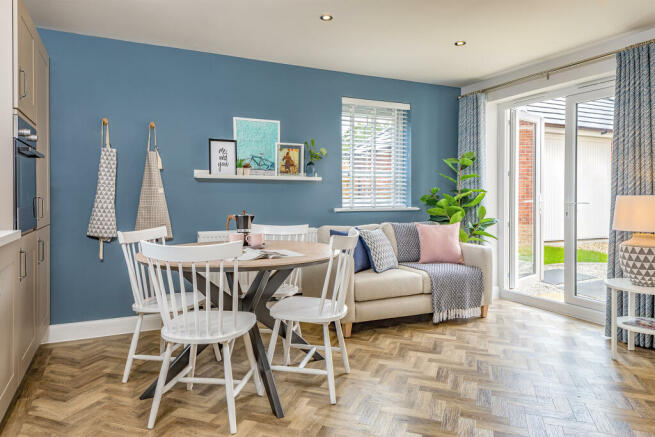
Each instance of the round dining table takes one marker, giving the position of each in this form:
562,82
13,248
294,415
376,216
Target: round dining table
271,273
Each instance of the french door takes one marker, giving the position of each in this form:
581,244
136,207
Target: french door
587,182
526,190
559,199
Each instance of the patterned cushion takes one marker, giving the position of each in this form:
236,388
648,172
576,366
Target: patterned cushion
409,249
360,256
379,250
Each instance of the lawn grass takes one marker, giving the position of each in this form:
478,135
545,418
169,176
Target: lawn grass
555,255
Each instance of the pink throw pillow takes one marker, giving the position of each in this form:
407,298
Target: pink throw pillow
439,244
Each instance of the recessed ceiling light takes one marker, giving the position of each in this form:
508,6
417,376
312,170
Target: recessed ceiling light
460,43
326,17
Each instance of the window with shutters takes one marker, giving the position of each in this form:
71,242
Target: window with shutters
375,145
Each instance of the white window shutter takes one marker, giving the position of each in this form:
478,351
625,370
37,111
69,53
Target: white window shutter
374,154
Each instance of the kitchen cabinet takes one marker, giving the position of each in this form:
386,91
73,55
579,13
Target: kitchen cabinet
24,58
42,281
25,263
42,74
25,302
9,377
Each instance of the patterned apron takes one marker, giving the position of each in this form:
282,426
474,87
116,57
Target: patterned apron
153,211
102,224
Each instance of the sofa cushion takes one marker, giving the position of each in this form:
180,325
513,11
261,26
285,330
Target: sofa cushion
391,283
407,242
427,284
440,244
360,256
379,250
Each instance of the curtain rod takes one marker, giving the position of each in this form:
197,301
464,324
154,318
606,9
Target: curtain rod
547,73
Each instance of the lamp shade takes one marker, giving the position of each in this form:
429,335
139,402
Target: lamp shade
634,214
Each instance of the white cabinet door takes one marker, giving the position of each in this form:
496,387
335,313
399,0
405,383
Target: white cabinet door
25,302
43,282
9,378
42,73
25,33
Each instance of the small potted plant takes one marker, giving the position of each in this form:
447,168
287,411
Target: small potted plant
315,154
246,168
240,166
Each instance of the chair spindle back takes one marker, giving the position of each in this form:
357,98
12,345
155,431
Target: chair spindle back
130,242
284,233
197,323
343,248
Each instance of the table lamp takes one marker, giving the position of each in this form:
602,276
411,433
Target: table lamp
636,214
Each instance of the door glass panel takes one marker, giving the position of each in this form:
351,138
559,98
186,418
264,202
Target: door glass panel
527,198
539,173
593,189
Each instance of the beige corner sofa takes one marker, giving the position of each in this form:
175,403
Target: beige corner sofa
394,293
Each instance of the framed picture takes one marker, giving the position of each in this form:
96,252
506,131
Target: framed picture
290,159
222,157
257,139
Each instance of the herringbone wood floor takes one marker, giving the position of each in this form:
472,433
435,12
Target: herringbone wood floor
521,371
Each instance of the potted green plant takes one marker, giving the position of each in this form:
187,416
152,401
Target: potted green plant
240,166
462,205
315,154
246,168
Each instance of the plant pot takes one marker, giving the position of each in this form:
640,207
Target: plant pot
239,171
310,170
246,171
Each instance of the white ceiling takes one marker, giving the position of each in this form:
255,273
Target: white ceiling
408,39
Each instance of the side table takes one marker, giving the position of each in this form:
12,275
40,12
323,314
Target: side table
627,322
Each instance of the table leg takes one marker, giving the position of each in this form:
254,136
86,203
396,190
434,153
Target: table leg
265,372
614,303
631,313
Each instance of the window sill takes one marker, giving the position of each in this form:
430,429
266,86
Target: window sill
407,208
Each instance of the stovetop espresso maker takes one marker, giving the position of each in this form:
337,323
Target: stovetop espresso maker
243,222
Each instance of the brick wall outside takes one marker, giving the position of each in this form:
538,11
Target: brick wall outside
525,182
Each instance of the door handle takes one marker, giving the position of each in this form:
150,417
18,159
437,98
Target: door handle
41,206
34,207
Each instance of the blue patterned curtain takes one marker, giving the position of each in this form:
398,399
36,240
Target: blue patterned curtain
633,161
471,138
471,135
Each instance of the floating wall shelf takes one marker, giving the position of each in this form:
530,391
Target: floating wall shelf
204,175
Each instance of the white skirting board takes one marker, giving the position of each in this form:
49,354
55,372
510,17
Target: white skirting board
99,328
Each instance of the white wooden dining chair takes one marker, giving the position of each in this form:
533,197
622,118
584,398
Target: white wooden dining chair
194,326
291,285
245,278
145,301
323,311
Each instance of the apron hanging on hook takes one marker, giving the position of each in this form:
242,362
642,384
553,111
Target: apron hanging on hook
102,224
153,210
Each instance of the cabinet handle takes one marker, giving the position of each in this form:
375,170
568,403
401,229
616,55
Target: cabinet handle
21,71
22,265
40,206
34,207
41,244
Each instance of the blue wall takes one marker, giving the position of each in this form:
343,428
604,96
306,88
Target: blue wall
193,96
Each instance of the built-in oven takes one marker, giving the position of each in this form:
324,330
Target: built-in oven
26,202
